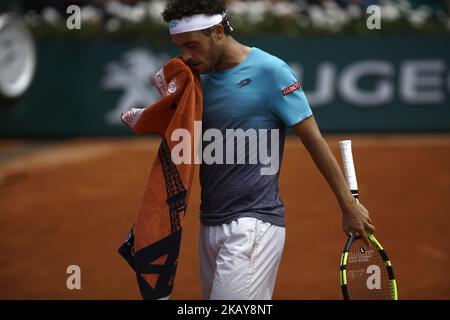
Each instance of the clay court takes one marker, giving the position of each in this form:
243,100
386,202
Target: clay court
72,202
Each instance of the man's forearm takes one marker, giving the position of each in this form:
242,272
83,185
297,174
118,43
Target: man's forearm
324,159
329,167
355,216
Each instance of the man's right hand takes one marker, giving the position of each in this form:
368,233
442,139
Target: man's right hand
355,218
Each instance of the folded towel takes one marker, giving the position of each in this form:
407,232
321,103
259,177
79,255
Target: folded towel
153,244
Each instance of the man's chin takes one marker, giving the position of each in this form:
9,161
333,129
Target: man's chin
201,68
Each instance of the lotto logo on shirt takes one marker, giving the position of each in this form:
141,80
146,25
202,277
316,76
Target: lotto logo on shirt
291,88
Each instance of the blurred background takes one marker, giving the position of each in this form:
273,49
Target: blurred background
373,80
72,176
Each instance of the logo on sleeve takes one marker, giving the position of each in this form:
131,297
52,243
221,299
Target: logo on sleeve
291,88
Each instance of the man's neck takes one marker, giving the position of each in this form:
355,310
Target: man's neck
235,53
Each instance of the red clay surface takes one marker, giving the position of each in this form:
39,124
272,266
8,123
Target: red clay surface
72,203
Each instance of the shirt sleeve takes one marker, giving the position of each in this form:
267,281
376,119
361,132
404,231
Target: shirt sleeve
287,99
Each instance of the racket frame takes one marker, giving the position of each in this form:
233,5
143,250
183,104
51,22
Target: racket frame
350,177
387,264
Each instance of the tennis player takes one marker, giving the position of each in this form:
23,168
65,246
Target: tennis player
242,215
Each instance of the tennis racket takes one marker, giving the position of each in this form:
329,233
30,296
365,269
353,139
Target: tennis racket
365,272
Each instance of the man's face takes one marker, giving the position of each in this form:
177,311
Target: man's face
201,52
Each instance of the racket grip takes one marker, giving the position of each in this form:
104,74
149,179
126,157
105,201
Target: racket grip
349,167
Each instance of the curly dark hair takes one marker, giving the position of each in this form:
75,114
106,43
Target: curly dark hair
178,9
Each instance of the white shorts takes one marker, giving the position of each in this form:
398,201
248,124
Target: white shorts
239,260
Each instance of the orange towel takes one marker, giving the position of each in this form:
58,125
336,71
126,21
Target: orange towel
153,245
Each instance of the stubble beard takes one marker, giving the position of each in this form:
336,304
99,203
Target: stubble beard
216,53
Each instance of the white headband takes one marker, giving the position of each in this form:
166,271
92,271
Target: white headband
194,23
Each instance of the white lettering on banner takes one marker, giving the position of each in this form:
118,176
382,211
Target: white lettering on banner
326,73
235,145
422,81
324,85
419,82
383,92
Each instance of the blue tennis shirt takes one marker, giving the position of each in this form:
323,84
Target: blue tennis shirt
259,97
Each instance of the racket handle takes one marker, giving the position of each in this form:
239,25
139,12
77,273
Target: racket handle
349,167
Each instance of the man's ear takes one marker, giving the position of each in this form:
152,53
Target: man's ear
218,31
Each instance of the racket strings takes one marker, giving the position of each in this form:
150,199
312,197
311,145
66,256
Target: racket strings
367,276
